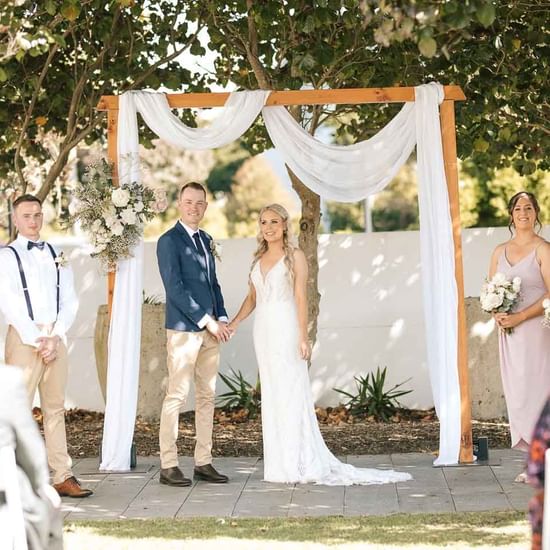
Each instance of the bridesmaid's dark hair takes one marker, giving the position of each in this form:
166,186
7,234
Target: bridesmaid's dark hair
512,204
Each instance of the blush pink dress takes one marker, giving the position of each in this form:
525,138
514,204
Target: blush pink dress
525,354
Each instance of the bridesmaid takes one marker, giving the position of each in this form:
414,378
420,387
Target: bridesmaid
525,353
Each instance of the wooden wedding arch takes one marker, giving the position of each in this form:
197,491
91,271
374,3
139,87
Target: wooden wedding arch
351,96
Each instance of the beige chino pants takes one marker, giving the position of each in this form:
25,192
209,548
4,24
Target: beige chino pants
191,356
51,380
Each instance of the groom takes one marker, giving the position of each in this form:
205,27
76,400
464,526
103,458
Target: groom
196,323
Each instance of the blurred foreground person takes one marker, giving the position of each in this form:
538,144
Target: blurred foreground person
29,506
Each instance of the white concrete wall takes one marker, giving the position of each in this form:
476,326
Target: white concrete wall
371,311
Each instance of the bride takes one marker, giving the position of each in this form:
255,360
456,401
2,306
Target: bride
294,449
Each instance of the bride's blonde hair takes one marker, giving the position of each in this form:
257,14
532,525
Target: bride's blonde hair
288,240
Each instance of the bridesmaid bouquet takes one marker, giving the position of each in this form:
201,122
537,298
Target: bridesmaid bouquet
499,295
546,314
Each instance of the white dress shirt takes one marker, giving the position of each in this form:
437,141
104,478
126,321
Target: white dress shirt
204,320
41,275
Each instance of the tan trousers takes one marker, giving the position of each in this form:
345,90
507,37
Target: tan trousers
51,380
191,356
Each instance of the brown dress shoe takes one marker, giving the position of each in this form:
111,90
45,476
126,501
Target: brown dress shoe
71,488
173,476
210,474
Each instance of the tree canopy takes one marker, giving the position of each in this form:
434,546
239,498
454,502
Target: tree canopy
497,52
57,57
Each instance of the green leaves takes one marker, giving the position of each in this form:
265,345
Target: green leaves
427,46
50,6
241,394
486,14
70,10
370,397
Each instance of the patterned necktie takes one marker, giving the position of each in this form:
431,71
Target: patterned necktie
38,244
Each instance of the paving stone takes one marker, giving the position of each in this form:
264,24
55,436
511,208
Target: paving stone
371,500
468,480
481,501
317,500
138,493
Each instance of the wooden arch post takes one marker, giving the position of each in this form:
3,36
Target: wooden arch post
352,96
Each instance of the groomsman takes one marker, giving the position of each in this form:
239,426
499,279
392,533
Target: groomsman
196,323
39,303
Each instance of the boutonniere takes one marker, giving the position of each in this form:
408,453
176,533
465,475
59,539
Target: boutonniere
61,260
216,249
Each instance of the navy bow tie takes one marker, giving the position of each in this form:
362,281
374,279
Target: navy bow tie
39,245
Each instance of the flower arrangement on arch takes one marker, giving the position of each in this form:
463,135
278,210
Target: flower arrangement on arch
113,217
499,295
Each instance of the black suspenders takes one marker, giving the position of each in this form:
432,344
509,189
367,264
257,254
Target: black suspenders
24,279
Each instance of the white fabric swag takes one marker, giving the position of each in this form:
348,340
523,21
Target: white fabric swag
343,173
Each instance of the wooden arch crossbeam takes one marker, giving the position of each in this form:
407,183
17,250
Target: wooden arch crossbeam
351,96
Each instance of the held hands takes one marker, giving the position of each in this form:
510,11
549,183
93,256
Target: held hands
47,348
509,320
219,331
232,326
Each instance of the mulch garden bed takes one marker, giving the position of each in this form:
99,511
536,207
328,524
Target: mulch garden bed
237,435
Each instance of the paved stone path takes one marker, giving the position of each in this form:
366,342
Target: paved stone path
138,494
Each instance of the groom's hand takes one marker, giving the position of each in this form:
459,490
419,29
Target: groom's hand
218,330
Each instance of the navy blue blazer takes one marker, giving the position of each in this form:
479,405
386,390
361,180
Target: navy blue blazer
190,294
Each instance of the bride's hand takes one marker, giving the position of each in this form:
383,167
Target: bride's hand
305,350
232,326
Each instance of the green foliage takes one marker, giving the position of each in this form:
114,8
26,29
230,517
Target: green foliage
254,185
370,397
497,52
484,202
151,299
57,59
228,160
346,217
241,394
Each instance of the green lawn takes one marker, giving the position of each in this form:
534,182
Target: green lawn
502,530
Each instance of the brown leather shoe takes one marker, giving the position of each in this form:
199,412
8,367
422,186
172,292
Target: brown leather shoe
210,474
173,476
71,488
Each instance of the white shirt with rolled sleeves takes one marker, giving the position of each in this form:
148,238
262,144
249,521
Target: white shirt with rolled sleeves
40,272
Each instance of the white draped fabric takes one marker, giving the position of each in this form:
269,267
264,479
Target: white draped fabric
343,173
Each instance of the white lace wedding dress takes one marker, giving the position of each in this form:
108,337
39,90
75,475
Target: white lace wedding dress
294,449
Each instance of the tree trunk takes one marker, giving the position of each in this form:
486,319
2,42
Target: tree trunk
309,227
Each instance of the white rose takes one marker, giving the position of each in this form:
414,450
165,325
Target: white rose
96,226
511,295
74,205
117,228
499,279
110,221
128,216
139,206
546,303
516,284
491,302
120,197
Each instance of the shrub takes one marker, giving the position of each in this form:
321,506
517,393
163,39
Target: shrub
371,399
